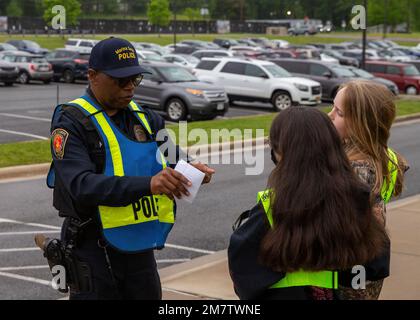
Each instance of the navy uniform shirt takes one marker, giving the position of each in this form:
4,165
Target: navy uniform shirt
79,181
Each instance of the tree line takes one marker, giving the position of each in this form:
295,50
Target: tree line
393,12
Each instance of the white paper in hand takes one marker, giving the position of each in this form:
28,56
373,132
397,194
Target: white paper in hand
194,175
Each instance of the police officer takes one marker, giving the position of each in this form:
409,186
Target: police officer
111,182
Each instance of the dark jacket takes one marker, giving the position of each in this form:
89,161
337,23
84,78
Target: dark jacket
252,280
80,185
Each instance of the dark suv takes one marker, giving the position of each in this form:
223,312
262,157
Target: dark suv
69,65
405,75
331,76
176,91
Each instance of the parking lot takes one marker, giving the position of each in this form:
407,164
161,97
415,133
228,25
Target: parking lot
26,110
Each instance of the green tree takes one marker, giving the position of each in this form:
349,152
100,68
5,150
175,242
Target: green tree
192,15
159,13
13,9
72,10
392,12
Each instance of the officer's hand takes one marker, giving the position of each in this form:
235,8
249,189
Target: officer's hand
206,169
171,183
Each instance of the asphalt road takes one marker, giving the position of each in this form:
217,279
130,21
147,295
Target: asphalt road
26,110
201,228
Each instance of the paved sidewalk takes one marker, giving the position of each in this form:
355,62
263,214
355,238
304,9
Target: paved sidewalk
207,277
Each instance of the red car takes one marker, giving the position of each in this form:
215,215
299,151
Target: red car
405,75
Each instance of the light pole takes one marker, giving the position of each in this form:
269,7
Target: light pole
174,10
364,36
385,17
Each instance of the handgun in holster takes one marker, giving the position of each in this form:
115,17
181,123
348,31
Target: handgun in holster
78,274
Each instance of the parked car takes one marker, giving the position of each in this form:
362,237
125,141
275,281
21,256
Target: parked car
368,76
394,55
277,54
302,30
281,44
405,76
28,46
68,65
7,47
346,61
226,43
258,80
331,76
80,45
151,47
246,42
305,53
184,49
416,63
263,43
183,60
31,67
327,58
8,73
409,51
357,54
198,44
177,92
149,56
199,54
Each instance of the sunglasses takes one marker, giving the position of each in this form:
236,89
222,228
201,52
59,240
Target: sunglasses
123,82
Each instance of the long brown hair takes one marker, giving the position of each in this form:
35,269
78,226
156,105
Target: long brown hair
321,212
369,111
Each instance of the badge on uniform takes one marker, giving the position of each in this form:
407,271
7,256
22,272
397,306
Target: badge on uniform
59,139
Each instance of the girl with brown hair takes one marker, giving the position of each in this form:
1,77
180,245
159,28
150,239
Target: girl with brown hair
313,222
363,114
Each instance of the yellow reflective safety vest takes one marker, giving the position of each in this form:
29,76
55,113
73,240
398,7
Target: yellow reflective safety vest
322,279
146,223
387,190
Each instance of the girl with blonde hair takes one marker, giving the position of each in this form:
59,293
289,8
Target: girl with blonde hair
363,114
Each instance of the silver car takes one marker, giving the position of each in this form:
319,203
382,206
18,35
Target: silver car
31,67
8,73
177,92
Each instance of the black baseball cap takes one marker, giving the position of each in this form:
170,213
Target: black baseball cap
115,57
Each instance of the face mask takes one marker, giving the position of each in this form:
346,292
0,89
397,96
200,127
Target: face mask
273,157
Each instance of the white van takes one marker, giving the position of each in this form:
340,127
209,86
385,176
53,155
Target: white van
80,45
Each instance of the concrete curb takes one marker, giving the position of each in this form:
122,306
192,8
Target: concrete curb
201,150
401,119
24,171
42,169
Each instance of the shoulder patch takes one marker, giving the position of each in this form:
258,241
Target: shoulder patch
58,140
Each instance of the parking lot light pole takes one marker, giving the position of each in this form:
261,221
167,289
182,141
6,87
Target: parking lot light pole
174,9
364,37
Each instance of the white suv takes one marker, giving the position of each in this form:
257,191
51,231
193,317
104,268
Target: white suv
257,80
80,45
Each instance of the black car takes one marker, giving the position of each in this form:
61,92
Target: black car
226,43
368,76
69,65
330,75
346,61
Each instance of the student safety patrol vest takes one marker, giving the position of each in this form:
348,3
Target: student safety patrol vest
146,223
387,190
322,279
